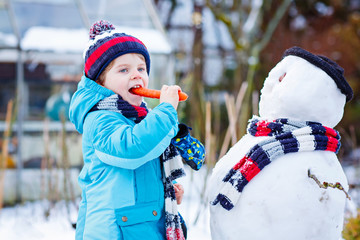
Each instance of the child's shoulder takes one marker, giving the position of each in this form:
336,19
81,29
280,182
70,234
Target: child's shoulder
105,118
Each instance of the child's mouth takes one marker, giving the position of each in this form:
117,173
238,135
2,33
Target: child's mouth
136,86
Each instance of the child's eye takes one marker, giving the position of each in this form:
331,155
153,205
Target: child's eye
123,70
141,69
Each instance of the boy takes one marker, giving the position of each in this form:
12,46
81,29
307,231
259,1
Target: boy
122,181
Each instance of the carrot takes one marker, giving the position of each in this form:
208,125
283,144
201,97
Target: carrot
152,93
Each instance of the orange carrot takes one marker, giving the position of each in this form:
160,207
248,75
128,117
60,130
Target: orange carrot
152,93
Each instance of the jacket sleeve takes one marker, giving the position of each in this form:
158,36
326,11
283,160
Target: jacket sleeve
121,143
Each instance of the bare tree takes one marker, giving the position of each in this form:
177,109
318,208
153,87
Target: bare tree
250,35
250,32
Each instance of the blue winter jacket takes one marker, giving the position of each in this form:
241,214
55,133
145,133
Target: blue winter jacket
121,180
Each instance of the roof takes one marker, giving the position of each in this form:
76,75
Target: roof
64,40
61,26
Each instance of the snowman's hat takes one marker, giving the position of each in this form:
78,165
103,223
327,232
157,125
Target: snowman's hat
327,65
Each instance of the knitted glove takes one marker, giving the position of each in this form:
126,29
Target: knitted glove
190,149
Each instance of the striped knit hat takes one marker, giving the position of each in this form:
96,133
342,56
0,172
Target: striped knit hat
327,65
106,44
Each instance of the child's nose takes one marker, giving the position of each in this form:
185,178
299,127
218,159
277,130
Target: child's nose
135,74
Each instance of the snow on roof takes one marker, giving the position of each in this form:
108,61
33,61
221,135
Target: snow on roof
155,41
54,39
8,40
60,40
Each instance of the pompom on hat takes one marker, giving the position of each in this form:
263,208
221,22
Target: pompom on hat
327,65
106,44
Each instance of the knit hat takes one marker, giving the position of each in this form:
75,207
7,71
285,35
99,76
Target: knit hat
106,44
330,67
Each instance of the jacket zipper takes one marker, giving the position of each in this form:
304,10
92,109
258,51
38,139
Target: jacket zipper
135,187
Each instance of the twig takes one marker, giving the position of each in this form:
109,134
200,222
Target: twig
209,159
325,185
5,150
255,102
281,10
238,103
67,188
208,132
230,105
220,16
45,159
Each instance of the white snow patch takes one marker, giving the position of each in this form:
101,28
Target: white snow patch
63,40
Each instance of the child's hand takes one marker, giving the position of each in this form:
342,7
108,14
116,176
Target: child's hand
170,94
179,192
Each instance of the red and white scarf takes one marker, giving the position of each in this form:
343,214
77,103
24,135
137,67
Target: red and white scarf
285,136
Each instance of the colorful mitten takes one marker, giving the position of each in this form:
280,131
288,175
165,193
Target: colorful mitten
191,149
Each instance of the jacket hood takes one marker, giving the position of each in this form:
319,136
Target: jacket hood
86,96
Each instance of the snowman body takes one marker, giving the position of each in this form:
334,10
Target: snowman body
282,202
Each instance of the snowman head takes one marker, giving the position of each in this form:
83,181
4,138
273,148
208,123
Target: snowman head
306,87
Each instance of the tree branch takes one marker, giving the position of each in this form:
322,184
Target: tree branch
220,16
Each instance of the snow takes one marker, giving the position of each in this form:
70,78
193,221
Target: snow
8,39
63,40
28,220
154,40
54,39
195,208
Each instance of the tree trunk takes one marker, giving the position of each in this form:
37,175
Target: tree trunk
197,89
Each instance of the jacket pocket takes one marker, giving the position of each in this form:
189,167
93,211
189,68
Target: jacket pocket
142,221
138,213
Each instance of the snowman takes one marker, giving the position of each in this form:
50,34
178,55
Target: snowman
282,180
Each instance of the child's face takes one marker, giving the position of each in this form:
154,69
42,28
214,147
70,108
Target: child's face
128,71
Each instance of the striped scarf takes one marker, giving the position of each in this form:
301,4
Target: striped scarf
284,136
173,169
170,158
115,103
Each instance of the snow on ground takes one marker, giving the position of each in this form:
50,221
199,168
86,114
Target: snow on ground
28,221
195,208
